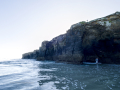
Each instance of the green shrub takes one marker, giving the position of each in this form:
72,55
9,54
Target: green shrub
83,22
105,23
104,19
110,21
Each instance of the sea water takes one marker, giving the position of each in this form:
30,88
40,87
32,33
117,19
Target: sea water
29,74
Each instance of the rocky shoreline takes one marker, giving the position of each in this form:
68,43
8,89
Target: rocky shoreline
84,41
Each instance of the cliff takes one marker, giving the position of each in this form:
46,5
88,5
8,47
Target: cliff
84,41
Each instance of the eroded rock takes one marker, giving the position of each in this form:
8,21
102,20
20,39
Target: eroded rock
84,41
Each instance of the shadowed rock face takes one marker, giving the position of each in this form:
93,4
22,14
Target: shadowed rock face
84,41
31,55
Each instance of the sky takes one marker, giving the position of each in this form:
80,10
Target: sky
24,24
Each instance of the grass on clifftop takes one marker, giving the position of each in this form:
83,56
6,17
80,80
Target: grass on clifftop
82,22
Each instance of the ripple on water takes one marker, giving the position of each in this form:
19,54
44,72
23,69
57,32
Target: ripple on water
37,75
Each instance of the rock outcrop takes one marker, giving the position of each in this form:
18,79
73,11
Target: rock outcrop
84,41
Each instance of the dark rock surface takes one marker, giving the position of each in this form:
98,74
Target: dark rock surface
84,41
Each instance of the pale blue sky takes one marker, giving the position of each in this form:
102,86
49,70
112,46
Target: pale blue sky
24,24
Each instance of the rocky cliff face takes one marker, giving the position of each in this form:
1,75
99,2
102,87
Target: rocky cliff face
84,41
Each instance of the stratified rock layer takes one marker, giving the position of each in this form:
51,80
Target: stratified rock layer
84,41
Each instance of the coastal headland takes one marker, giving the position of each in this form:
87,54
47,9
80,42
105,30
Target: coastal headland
84,41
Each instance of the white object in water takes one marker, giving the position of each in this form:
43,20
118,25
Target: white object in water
96,60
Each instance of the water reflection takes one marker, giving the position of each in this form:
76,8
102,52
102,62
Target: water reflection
19,75
37,75
56,76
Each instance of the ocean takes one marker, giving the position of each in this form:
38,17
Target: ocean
29,74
